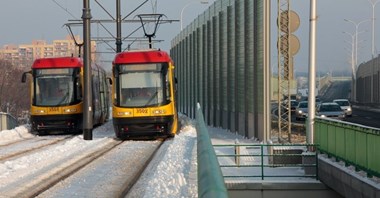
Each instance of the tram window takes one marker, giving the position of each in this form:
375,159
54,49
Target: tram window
78,87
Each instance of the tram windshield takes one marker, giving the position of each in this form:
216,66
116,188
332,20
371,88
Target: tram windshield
53,88
143,85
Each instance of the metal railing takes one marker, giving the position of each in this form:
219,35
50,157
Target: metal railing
7,121
210,179
267,160
356,145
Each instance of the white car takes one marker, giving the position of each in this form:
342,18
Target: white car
330,110
302,110
345,105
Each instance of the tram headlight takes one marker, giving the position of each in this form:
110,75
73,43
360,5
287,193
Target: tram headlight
40,111
158,111
127,113
70,110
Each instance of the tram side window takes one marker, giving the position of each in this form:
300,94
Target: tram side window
78,88
167,88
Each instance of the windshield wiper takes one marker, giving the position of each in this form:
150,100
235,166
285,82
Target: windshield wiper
151,98
64,98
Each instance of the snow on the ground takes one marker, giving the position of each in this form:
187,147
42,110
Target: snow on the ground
13,170
170,179
18,133
173,176
178,160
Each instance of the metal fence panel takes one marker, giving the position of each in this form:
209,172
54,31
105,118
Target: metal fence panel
204,70
350,144
355,144
331,138
218,51
210,96
231,68
373,152
361,157
216,69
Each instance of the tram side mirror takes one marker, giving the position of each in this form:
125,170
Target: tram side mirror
109,80
23,77
175,80
115,72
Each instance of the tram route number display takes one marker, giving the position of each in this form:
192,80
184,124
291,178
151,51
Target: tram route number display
142,111
53,109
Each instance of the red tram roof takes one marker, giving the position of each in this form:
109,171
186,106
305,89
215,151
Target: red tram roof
148,56
61,62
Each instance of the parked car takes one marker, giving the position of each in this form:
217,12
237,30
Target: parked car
302,110
345,105
330,110
317,102
293,105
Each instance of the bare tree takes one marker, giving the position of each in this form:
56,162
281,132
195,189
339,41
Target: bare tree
14,95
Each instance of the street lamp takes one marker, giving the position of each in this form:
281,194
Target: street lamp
312,69
352,53
356,56
202,2
373,3
356,37
353,76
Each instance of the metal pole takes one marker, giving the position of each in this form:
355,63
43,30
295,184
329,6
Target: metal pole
353,76
312,69
87,99
373,26
182,13
118,27
373,45
268,72
202,2
279,90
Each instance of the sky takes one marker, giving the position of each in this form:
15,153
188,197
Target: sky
23,20
334,46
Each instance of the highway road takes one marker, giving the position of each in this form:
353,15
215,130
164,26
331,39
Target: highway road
367,116
337,89
364,115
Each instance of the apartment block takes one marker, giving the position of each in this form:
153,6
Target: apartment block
24,54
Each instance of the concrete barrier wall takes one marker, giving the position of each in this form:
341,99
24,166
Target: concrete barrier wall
347,183
285,189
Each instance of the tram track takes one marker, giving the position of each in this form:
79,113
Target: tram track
127,186
33,184
113,164
26,146
110,175
14,142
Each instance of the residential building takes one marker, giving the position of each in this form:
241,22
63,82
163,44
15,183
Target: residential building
24,54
